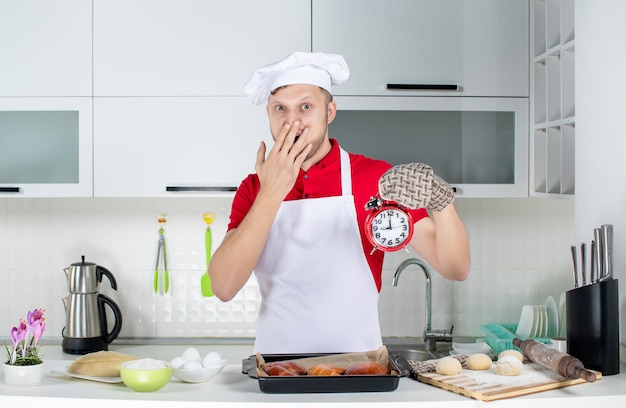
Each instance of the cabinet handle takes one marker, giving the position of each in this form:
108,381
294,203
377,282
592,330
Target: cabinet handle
193,189
9,189
424,87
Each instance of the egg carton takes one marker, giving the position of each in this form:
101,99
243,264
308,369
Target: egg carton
500,336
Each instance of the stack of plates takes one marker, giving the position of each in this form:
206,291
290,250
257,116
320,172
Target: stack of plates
539,320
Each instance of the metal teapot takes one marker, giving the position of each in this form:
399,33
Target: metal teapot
86,327
85,277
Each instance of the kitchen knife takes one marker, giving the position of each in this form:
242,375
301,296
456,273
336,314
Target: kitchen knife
592,263
607,251
583,262
598,261
574,256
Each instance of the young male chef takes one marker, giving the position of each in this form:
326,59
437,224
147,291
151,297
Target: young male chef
298,223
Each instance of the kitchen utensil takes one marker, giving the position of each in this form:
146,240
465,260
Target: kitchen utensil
86,328
200,374
597,236
526,321
489,386
606,232
205,281
553,317
324,384
583,262
85,277
161,253
592,263
561,363
575,263
592,316
144,379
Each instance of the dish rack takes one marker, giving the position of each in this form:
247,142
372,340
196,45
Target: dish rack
500,336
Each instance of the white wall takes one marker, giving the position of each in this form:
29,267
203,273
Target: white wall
520,254
600,130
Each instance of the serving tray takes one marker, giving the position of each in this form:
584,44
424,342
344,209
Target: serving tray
324,384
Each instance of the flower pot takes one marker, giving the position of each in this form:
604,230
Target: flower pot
22,375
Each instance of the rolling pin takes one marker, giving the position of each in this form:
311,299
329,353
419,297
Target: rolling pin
562,363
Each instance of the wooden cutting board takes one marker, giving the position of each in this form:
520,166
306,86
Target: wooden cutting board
489,386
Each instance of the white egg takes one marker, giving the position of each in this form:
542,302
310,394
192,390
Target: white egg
212,359
192,364
178,362
191,353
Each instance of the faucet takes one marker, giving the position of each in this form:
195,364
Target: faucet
431,337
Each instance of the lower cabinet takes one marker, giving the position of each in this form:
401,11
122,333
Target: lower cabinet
171,146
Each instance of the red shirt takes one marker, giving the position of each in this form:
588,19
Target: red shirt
324,180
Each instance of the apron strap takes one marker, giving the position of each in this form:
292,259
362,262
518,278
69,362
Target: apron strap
346,173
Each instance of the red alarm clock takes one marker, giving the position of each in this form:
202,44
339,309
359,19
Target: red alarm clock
389,227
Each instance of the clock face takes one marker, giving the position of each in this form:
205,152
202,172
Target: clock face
389,229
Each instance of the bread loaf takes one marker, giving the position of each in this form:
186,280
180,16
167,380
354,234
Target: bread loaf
284,368
100,364
367,369
325,369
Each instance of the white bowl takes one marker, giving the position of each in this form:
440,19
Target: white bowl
198,375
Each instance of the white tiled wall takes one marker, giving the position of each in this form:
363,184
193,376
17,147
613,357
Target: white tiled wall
519,250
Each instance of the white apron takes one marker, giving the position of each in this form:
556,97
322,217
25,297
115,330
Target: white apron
318,293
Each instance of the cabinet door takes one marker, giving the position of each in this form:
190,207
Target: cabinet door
191,47
144,147
45,147
481,46
478,145
45,48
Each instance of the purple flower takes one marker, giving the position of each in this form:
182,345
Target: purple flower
18,333
25,349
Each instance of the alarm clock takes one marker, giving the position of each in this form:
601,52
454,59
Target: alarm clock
389,226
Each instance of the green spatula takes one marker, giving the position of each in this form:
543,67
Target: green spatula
205,281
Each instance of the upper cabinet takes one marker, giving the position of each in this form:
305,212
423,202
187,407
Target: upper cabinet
46,147
191,47
552,97
427,47
45,48
176,146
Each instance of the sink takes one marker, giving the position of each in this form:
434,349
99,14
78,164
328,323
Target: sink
416,351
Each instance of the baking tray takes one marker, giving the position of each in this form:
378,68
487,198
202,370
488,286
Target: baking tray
325,384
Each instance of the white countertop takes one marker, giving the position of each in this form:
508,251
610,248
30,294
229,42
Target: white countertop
231,388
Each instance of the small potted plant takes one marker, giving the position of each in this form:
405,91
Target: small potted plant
24,366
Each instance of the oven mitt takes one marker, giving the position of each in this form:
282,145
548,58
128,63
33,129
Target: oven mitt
414,185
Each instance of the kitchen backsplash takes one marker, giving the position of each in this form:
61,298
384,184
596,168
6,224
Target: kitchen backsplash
519,248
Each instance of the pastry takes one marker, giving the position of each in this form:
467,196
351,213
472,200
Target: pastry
100,364
509,365
284,368
367,369
478,361
325,369
448,366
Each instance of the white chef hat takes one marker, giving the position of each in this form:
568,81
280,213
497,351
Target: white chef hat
314,68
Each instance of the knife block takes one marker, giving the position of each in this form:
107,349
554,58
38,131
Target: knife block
592,319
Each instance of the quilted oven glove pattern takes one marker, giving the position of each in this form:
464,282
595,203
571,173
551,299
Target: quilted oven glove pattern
415,185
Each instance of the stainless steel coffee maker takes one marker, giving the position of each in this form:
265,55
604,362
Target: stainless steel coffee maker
86,329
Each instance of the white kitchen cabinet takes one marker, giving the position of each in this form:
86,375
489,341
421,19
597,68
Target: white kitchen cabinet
552,98
45,48
192,47
177,146
479,46
46,147
478,145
